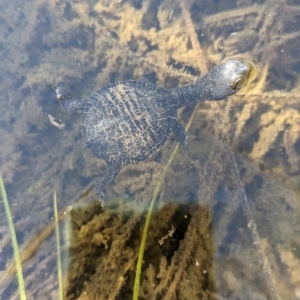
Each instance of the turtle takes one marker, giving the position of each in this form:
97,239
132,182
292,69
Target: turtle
126,122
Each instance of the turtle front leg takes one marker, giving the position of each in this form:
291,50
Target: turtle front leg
107,178
180,135
70,104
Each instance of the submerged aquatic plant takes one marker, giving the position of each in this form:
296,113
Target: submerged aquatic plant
149,214
15,246
57,239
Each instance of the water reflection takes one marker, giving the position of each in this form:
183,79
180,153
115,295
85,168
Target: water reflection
88,45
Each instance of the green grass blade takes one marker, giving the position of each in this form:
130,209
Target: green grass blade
136,287
14,241
57,238
137,279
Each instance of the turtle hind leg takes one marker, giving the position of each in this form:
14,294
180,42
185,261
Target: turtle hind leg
180,135
70,104
107,178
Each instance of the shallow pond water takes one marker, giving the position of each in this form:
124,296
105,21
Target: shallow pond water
226,220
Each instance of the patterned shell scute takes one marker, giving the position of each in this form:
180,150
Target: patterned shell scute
127,121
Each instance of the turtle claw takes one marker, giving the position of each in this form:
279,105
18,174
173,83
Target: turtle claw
103,205
58,91
100,189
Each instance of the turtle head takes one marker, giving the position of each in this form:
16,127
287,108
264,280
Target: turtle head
228,78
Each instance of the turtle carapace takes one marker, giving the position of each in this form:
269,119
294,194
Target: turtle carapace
126,122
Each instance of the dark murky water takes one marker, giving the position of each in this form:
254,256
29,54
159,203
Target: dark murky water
230,200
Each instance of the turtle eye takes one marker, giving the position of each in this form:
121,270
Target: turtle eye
237,83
